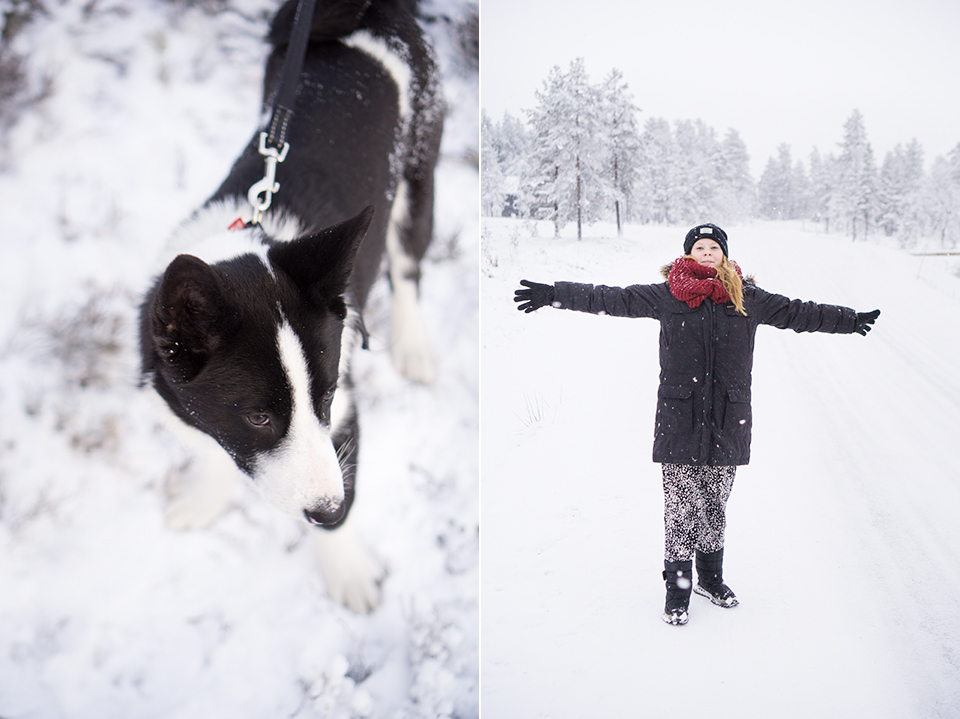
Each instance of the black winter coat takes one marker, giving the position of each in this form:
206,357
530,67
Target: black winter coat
706,360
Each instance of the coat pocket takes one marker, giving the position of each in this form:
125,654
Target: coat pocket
737,415
675,410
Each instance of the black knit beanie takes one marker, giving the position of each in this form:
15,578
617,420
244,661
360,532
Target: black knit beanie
709,231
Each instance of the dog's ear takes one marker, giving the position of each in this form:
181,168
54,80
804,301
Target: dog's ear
191,316
321,264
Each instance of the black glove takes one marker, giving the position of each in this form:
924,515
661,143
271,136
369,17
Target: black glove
864,320
536,297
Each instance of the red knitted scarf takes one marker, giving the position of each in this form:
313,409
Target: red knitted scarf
692,282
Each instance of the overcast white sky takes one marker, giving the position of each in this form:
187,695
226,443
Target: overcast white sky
775,71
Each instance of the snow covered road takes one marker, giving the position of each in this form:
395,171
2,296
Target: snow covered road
843,543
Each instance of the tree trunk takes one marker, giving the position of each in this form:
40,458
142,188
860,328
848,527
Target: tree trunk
616,185
579,219
556,204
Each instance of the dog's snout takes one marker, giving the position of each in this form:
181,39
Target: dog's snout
326,515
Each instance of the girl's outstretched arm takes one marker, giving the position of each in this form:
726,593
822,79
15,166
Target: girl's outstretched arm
633,301
799,316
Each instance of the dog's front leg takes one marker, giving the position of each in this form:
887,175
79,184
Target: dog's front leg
410,347
352,574
202,491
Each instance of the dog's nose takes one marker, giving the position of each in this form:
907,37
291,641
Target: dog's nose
326,516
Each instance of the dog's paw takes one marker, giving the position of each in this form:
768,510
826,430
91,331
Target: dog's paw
352,575
410,348
195,501
184,513
417,363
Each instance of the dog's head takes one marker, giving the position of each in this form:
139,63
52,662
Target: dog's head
248,351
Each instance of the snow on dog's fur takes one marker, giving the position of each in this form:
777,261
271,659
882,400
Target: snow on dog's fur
247,336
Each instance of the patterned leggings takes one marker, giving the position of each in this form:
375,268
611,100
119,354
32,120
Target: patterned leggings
694,508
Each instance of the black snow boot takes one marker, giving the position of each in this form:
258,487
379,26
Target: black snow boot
679,579
710,579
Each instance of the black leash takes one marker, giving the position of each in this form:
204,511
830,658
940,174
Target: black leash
273,144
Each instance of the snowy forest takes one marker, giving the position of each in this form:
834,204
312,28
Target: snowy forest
580,156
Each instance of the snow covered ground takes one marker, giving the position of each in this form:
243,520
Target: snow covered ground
843,540
103,611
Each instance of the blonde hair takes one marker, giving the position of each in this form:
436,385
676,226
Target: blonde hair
730,279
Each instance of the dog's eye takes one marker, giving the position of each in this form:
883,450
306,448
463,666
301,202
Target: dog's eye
327,397
259,419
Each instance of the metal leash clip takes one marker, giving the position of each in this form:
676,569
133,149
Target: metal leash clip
268,185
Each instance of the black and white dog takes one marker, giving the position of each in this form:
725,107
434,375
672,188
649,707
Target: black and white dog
247,336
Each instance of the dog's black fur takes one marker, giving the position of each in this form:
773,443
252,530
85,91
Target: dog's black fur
363,146
341,169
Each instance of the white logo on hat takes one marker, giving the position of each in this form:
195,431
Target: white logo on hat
706,230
